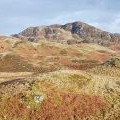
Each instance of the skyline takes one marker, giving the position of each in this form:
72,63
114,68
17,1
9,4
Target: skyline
17,15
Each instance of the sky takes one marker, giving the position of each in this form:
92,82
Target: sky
17,15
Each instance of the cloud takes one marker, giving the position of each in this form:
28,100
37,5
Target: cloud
15,15
115,25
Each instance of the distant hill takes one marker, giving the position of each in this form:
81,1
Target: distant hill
70,33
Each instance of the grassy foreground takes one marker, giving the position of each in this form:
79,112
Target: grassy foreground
50,81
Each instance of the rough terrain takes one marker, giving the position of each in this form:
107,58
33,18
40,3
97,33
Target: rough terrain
42,79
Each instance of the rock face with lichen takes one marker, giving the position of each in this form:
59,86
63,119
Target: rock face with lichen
71,33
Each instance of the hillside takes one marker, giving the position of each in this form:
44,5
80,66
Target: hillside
42,79
70,33
20,56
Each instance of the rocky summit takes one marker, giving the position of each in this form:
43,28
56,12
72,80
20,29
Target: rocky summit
70,33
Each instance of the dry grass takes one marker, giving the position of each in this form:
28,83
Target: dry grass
51,81
85,95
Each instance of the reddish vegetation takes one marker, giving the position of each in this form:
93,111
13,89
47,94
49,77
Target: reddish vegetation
48,51
67,62
76,65
13,108
99,56
74,52
71,105
56,107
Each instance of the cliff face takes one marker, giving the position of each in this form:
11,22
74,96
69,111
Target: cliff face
71,33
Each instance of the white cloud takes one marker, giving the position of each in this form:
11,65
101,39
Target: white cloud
17,14
82,15
115,25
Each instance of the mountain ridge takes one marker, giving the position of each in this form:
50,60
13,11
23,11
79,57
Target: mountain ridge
70,33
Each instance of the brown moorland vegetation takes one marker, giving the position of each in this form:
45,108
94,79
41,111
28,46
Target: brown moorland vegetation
52,81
